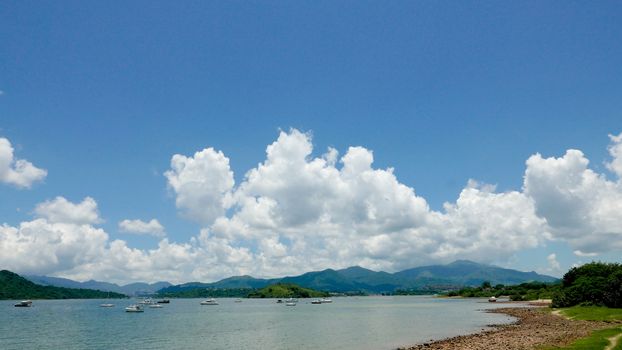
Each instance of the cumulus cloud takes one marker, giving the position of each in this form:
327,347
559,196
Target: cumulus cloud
17,172
296,212
553,265
60,210
201,183
580,206
299,212
152,227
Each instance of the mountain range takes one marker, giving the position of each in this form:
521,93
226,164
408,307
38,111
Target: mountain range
458,274
133,289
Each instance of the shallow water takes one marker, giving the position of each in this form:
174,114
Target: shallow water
349,323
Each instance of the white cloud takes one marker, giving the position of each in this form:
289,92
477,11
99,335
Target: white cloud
615,150
200,184
152,227
553,265
295,212
60,210
579,205
17,172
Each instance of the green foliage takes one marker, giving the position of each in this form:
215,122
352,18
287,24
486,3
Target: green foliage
287,290
13,286
596,341
520,292
595,283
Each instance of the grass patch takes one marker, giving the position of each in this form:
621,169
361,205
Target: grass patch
593,313
598,340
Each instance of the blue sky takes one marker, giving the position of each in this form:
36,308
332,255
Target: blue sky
103,94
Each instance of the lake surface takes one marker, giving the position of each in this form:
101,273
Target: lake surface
361,323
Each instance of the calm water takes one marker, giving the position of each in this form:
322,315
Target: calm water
348,323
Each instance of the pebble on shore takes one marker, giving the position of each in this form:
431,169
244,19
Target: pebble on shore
535,327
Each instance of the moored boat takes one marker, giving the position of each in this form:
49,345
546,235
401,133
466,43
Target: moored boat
106,305
134,308
163,301
210,301
326,301
316,301
24,303
492,299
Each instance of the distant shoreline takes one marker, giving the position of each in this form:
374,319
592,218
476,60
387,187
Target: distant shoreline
534,327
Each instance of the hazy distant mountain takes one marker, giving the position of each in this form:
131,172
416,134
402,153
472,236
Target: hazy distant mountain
353,279
457,274
468,273
129,289
227,283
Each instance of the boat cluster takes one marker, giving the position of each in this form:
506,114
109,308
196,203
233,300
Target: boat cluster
293,301
150,303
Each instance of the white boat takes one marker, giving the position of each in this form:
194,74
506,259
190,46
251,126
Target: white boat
146,301
290,303
106,305
134,308
156,306
316,301
238,300
291,300
326,301
24,303
211,301
492,299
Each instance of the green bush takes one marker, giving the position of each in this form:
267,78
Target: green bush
595,283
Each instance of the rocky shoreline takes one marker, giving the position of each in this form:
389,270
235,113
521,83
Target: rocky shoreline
535,327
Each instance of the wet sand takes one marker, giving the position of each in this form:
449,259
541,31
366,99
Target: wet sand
535,327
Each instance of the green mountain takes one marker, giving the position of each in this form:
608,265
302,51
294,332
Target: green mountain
13,286
468,273
287,290
429,279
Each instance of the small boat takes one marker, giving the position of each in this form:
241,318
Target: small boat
163,301
156,306
134,308
210,301
492,299
279,301
146,301
291,300
24,303
326,301
316,301
106,305
238,300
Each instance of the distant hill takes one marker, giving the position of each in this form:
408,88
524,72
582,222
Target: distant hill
287,290
432,278
129,289
14,286
468,273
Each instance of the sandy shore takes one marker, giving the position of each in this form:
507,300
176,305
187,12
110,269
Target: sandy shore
535,327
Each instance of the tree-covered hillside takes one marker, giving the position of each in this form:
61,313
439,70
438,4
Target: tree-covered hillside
286,290
13,286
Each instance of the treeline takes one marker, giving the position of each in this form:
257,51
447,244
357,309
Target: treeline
13,286
519,292
595,283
